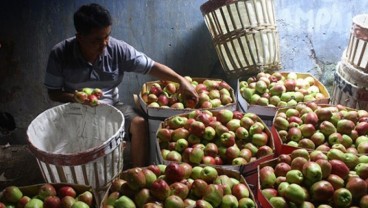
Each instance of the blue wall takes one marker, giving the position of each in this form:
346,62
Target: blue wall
313,35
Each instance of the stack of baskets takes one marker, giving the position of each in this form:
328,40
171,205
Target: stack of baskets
350,85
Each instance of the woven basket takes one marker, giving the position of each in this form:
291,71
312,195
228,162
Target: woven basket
357,51
347,93
79,144
244,34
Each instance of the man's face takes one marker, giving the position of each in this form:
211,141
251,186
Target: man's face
93,44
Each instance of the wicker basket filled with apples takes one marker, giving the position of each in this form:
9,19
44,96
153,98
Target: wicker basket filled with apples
213,93
48,195
321,127
313,179
179,185
226,138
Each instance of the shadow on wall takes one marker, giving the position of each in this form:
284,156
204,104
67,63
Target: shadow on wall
9,72
197,56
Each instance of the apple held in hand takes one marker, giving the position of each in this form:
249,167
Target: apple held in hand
81,97
88,96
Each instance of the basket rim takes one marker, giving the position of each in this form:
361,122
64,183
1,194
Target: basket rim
79,158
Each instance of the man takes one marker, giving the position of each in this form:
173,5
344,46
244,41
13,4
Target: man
95,59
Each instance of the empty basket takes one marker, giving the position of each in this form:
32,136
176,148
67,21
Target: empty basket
78,144
244,34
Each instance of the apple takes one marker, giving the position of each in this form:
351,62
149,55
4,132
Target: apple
176,122
240,191
97,92
86,197
160,189
70,191
179,133
80,97
357,187
67,202
198,187
179,189
135,178
21,202
155,169
196,155
34,202
229,200
46,190
208,160
12,194
87,90
246,202
177,105
170,88
312,171
123,201
208,174
174,156
224,115
267,177
197,128
213,194
342,197
174,172
321,191
282,168
174,201
295,193
163,100
142,197
181,145
52,202
111,198
150,176
164,134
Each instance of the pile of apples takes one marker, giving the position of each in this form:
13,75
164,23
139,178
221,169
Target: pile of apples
321,127
88,96
47,196
278,90
165,94
221,137
178,185
315,179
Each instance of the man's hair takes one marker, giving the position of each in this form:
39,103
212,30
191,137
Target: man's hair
91,16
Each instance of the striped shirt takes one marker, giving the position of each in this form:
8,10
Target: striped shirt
67,70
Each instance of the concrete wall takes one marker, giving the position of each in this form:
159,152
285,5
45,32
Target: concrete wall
313,35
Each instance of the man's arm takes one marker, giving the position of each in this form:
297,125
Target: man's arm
61,96
165,73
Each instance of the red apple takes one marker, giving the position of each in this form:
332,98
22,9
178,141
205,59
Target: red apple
52,202
67,191
174,172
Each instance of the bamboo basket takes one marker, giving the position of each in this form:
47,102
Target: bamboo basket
244,34
357,51
347,93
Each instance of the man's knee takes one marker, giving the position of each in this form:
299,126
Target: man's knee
138,123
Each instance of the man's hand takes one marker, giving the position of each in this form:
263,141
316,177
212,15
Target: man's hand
188,93
165,73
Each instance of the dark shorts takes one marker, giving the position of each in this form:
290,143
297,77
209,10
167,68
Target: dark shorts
129,113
